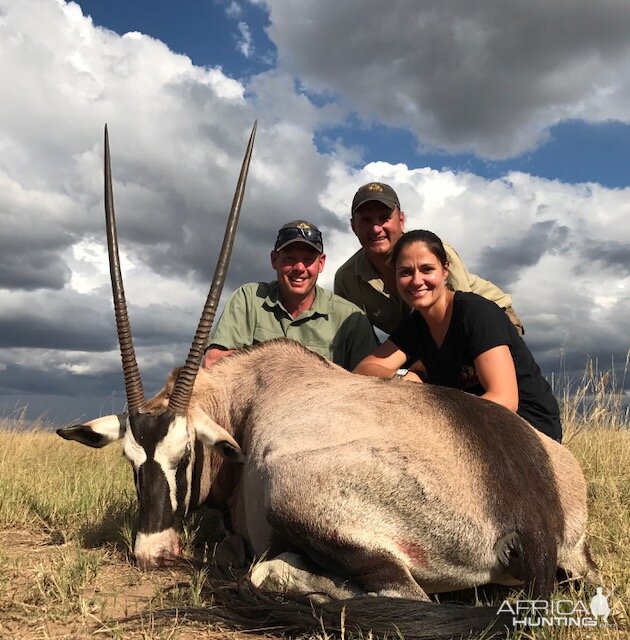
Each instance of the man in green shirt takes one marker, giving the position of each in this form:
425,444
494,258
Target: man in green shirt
293,306
368,278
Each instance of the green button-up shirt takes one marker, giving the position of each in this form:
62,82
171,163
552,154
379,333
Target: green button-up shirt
333,327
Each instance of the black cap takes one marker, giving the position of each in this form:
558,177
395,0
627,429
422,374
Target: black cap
299,231
378,191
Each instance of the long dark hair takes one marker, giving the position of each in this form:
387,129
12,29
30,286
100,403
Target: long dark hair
433,242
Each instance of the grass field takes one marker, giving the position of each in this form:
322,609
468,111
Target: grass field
67,525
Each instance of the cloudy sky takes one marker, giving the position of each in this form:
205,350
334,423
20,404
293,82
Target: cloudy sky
504,127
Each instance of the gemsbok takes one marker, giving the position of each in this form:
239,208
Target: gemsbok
351,485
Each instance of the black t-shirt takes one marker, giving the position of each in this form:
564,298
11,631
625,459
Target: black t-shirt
476,326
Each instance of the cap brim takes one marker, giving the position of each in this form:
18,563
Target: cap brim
318,248
383,200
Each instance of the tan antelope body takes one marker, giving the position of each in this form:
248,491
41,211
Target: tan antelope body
370,486
400,488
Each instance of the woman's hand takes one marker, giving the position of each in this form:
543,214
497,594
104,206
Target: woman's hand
383,362
411,376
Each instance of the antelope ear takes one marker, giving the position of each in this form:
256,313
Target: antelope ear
97,433
215,436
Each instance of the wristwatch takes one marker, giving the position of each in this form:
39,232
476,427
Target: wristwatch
400,374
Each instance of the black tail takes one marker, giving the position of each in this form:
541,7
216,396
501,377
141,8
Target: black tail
245,608
539,563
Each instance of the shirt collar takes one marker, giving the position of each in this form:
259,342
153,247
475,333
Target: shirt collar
320,306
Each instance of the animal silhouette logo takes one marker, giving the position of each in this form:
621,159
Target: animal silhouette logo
599,605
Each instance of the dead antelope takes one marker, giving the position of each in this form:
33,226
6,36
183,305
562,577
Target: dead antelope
365,486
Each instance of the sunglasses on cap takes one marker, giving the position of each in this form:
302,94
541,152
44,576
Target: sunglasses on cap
308,234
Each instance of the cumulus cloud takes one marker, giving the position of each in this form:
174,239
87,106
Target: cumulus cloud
487,77
608,253
30,252
503,263
177,135
542,240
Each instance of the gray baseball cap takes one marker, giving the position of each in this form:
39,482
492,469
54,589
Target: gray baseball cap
299,231
378,191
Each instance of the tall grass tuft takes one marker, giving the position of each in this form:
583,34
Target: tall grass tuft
597,400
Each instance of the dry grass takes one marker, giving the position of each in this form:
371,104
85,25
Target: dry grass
66,492
67,521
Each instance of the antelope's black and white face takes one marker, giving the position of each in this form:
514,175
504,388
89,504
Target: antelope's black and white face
161,451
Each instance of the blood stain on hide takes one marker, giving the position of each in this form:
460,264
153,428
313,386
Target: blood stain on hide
414,552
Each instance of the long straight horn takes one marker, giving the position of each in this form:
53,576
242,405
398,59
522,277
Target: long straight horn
133,383
180,396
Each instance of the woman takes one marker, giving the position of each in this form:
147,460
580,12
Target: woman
463,340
